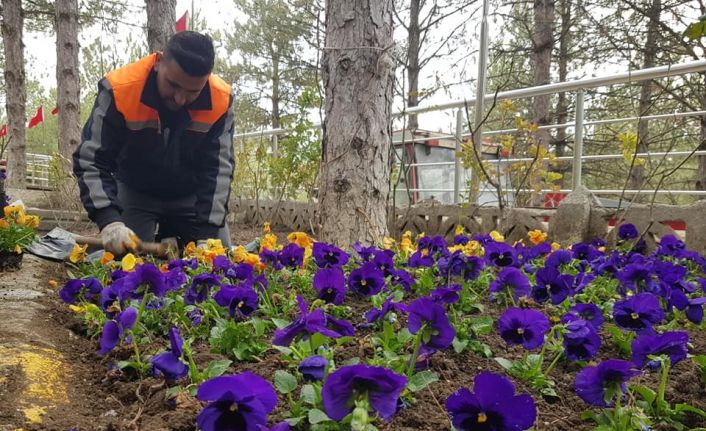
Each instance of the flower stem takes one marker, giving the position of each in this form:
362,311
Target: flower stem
666,365
551,366
193,369
136,332
415,352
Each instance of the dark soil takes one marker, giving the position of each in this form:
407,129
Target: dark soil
102,399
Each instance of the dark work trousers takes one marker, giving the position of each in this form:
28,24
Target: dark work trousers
153,218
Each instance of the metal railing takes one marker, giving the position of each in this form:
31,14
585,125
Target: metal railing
578,124
38,166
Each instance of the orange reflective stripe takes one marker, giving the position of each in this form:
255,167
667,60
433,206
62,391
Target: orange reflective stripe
220,96
128,83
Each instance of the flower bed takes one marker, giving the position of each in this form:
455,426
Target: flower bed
415,335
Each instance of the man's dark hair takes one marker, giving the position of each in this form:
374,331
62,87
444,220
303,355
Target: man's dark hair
192,51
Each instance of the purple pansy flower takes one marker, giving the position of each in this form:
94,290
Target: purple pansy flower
240,402
581,341
510,280
500,254
587,252
638,313
420,259
183,263
670,245
307,323
446,294
695,310
474,265
400,277
375,314
451,264
174,279
384,260
492,406
588,312
551,285
328,256
330,283
637,277
241,301
145,278
673,344
113,330
291,255
169,363
196,316
270,258
600,385
313,368
526,327
88,288
627,231
367,280
438,332
198,291
558,258
381,386
365,252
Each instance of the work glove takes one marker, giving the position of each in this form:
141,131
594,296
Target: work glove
118,238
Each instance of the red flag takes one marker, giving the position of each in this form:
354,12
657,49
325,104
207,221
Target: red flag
38,118
3,131
181,23
55,110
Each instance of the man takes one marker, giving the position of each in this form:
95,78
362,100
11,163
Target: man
157,148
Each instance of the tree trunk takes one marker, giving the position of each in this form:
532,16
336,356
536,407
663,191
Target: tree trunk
161,20
562,104
637,174
701,174
12,22
358,74
413,61
67,78
275,100
543,42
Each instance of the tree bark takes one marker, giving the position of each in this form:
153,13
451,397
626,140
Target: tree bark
161,20
701,173
275,100
12,24
358,74
562,104
543,42
67,78
413,61
637,174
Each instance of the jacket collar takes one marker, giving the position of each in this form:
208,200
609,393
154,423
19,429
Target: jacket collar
150,95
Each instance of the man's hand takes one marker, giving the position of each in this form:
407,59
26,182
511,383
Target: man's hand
118,238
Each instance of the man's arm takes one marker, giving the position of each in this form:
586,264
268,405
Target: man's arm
215,176
95,159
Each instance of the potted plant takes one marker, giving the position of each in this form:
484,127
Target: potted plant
17,232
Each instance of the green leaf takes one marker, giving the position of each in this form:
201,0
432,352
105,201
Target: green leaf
217,368
689,408
352,361
172,392
701,360
421,380
317,416
280,323
285,382
482,325
458,345
505,363
695,30
648,394
294,421
308,394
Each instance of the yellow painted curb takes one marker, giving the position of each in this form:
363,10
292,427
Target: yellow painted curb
45,372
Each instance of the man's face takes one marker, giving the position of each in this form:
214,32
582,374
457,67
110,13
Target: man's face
176,88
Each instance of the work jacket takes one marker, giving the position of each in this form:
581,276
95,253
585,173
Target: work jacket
130,138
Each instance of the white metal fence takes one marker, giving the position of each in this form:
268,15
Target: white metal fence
578,124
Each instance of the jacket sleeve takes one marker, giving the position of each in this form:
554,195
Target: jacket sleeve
95,159
215,174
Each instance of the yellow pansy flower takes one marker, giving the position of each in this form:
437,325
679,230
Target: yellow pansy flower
32,221
77,309
497,236
78,254
455,248
4,224
18,249
537,236
406,244
388,243
128,262
473,248
266,227
239,254
301,239
269,242
555,246
190,249
459,230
